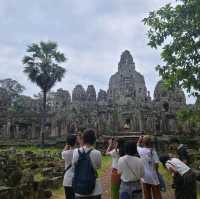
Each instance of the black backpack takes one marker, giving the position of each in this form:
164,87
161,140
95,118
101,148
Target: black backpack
84,174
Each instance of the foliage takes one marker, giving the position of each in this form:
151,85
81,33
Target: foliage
38,177
176,30
12,86
190,115
21,104
42,65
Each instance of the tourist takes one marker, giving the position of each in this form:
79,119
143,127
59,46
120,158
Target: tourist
79,139
115,150
67,155
181,150
131,169
150,181
83,159
184,178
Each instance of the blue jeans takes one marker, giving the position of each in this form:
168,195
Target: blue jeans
130,190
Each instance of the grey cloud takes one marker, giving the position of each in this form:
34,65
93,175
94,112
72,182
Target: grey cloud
91,33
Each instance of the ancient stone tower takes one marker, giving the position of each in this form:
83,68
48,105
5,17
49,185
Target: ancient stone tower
127,85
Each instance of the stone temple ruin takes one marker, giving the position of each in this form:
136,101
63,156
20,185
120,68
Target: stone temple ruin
125,107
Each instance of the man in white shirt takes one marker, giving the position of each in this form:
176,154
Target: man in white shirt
67,155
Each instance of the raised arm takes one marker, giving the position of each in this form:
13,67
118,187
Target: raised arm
139,142
110,143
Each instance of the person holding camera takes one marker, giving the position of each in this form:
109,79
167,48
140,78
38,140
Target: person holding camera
115,150
67,155
150,181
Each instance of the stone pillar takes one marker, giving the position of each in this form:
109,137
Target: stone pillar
141,125
8,126
4,130
64,128
33,131
16,131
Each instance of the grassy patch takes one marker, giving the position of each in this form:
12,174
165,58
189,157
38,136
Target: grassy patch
58,192
106,160
38,177
166,174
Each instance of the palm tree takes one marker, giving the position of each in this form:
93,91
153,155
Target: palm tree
42,67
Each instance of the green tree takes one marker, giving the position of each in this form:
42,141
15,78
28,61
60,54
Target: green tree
176,30
12,87
42,67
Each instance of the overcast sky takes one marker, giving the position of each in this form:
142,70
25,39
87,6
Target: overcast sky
91,33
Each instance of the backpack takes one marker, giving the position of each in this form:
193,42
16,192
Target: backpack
84,174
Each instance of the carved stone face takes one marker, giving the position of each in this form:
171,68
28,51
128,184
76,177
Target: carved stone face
79,94
126,64
91,93
127,84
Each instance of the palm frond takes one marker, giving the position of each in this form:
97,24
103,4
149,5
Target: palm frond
59,57
42,64
27,59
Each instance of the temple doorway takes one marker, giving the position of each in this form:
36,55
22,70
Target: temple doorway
127,123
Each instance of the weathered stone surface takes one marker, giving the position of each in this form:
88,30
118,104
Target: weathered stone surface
19,180
59,100
102,96
7,193
125,106
91,94
127,84
168,99
79,94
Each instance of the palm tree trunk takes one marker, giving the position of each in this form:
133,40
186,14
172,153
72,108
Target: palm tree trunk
43,117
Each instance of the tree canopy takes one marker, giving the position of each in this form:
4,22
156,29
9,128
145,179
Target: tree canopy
12,86
42,64
176,29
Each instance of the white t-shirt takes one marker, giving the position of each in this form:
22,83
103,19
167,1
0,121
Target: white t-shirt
131,168
150,158
67,156
115,157
178,165
95,157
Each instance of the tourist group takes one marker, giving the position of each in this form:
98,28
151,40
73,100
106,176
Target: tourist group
135,169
